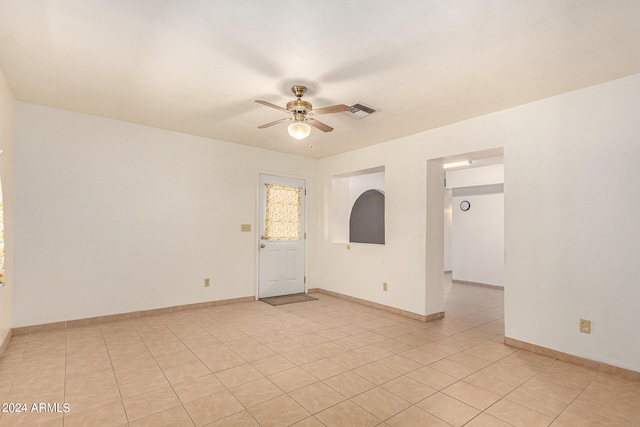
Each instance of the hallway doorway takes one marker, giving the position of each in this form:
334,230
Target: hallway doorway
436,217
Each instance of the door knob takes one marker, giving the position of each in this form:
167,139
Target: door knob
262,245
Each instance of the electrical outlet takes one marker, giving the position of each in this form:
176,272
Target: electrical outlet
385,286
245,228
207,282
585,326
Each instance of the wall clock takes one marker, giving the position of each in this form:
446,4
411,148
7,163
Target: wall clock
465,205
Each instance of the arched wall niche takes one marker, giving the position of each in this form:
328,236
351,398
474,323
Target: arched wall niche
366,223
345,191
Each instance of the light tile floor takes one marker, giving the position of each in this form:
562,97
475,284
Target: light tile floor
327,362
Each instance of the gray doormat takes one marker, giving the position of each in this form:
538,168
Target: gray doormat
288,299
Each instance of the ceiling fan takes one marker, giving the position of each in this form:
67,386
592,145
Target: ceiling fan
302,114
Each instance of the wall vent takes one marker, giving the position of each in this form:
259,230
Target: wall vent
359,111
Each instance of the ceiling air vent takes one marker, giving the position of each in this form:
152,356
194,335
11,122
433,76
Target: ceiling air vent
358,111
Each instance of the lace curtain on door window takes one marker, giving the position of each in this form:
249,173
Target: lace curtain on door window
282,219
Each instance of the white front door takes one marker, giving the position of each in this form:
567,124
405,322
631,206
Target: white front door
281,264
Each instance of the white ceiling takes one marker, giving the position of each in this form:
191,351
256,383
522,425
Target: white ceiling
196,66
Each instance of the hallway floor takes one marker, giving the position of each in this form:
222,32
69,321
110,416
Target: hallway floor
327,362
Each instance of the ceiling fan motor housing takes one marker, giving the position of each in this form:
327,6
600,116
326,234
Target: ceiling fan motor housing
299,106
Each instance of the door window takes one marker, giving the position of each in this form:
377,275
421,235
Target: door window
282,219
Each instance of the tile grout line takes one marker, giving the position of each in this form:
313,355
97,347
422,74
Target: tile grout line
165,376
535,410
575,398
106,346
17,369
214,374
458,380
64,393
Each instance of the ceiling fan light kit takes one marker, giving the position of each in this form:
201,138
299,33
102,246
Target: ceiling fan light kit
303,114
299,130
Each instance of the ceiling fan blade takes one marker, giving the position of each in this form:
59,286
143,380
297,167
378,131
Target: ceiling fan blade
274,123
319,125
268,104
330,110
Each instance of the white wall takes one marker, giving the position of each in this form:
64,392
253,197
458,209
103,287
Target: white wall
113,217
475,176
478,236
571,229
572,186
477,242
448,224
7,112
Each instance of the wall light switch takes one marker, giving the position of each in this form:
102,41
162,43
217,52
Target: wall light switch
207,282
385,286
245,227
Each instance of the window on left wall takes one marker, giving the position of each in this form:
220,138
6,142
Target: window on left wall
2,282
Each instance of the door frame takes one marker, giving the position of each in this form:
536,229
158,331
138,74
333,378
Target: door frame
257,240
